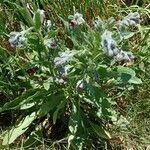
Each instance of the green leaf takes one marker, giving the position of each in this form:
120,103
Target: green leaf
128,75
18,130
100,131
96,94
135,80
37,20
46,85
103,72
25,14
51,102
74,119
70,138
142,66
27,106
125,77
16,102
127,35
64,22
77,129
125,70
59,107
106,107
78,143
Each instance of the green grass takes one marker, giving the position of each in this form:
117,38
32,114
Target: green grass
132,101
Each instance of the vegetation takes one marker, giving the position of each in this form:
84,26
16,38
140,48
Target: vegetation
74,74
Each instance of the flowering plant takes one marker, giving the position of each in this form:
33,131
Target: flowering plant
70,84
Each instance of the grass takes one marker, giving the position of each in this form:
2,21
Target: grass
134,105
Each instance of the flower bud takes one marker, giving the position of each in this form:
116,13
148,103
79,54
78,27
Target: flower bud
77,19
80,85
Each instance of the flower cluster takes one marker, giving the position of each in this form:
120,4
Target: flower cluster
60,64
64,57
109,45
50,43
17,39
77,19
130,19
111,49
124,56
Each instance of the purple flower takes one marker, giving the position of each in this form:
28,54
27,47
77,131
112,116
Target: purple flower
77,19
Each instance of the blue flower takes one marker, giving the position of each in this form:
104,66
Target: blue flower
64,57
124,56
111,49
108,43
130,19
50,43
17,39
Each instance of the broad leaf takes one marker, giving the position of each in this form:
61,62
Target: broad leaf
16,102
73,122
135,80
27,106
127,75
127,35
125,70
18,130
